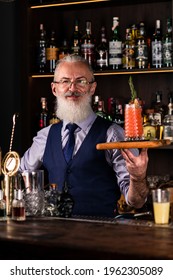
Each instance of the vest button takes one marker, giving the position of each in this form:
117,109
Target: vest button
68,171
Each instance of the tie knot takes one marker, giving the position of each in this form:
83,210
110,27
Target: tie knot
71,127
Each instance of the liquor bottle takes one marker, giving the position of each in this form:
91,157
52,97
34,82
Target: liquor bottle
76,39
44,114
102,51
88,45
141,49
41,51
101,110
157,47
51,200
168,122
149,126
115,46
115,111
168,45
128,59
18,207
159,107
53,118
64,49
3,215
51,53
65,202
95,102
159,113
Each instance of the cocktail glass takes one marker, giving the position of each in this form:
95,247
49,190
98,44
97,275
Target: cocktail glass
133,122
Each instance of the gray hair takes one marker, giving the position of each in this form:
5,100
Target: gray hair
74,58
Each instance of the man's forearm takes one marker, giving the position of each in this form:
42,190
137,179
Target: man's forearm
138,192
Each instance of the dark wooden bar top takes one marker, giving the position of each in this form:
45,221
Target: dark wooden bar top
78,238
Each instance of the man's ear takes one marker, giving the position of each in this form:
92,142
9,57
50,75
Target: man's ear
93,88
53,88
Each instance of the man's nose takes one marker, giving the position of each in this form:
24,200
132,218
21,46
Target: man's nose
72,86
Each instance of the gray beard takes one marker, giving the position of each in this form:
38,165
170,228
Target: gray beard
73,111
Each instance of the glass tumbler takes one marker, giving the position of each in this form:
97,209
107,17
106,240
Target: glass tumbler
34,192
133,122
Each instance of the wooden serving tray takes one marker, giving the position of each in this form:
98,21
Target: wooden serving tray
132,144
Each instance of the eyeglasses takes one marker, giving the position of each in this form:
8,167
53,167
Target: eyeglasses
79,83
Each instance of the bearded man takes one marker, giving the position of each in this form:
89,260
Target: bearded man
95,178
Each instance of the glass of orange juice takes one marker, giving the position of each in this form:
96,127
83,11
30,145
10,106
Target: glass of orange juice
133,122
161,206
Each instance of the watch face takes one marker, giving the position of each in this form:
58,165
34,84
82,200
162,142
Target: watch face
10,163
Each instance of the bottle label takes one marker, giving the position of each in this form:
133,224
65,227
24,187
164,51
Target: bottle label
51,53
128,57
167,54
157,53
141,52
102,60
115,53
168,132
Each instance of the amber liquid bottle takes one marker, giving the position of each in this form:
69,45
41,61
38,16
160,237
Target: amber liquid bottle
51,54
44,114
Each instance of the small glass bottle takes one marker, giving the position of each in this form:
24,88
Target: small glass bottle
3,216
18,206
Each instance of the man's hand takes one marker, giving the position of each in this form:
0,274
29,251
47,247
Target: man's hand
137,168
136,165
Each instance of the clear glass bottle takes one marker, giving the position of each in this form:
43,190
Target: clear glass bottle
51,53
18,207
115,46
102,51
141,48
3,215
168,45
157,46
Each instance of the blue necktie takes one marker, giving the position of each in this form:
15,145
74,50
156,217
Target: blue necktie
69,147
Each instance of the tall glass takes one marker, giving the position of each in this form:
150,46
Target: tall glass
133,122
34,192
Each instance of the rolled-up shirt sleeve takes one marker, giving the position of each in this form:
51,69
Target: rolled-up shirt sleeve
114,157
33,157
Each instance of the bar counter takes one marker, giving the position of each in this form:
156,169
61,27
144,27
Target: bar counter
83,238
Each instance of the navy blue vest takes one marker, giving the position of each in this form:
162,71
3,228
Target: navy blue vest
92,182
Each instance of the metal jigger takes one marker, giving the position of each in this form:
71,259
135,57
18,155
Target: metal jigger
10,166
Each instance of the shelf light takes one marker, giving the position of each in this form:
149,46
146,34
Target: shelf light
108,73
67,3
